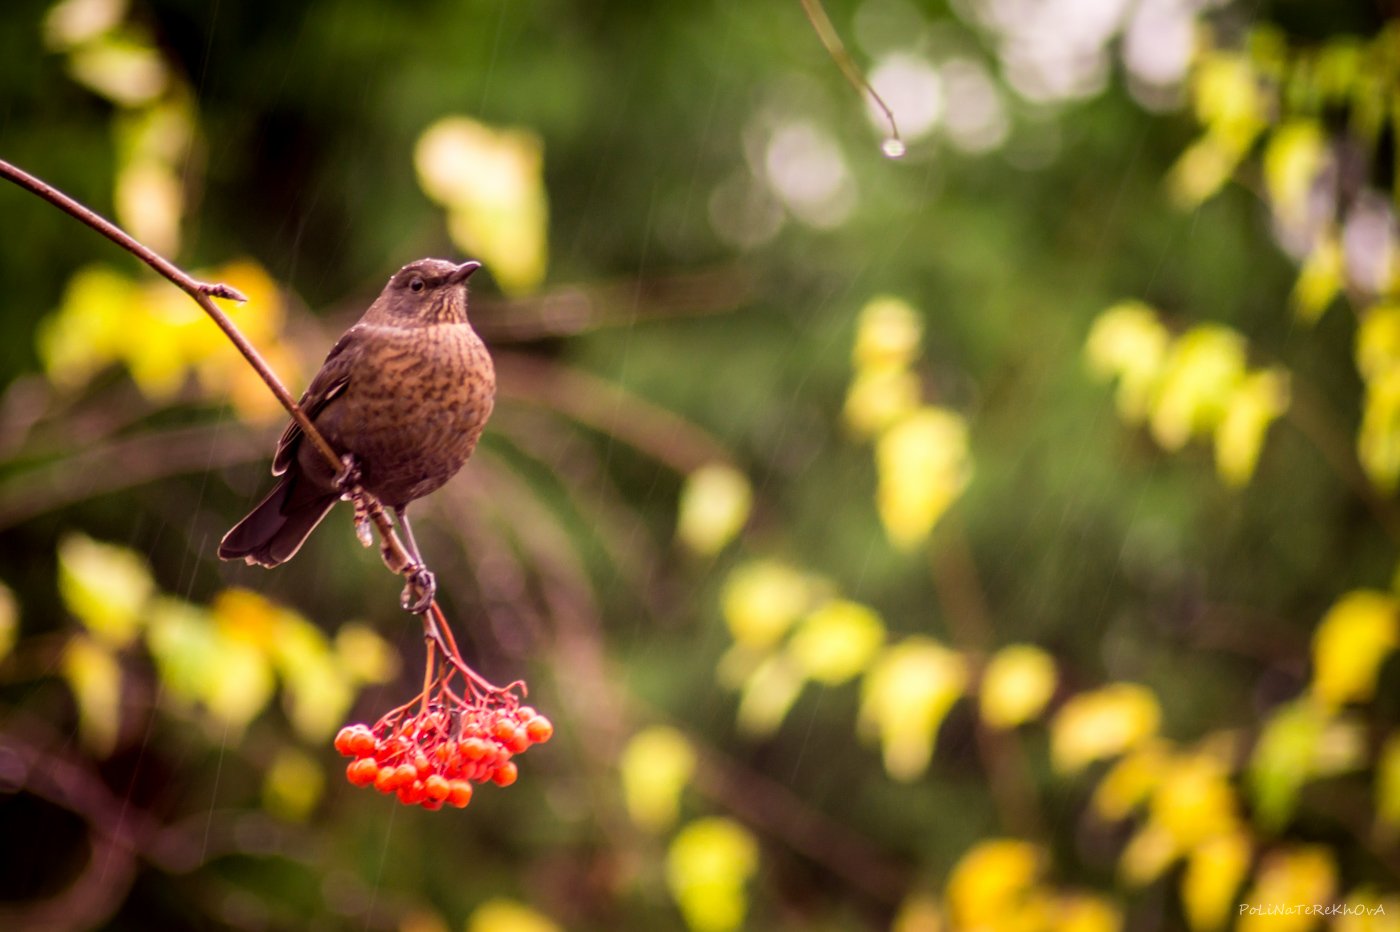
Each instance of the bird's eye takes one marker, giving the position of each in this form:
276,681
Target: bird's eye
416,285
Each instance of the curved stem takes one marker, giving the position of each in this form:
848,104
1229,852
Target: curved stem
202,293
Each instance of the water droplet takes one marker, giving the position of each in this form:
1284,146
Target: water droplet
893,148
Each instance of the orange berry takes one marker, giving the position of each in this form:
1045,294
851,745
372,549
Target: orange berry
411,794
432,805
540,729
342,740
474,748
518,741
503,729
460,793
362,772
386,780
505,774
437,787
362,743
421,765
525,713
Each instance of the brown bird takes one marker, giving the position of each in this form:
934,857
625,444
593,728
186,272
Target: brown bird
405,393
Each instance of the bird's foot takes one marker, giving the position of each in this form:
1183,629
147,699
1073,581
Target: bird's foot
419,591
349,476
362,524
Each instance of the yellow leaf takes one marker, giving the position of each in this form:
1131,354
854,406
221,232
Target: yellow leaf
761,600
1130,781
318,691
714,505
1200,375
91,327
656,765
1018,682
707,866
1378,341
1259,400
1103,723
1369,911
185,648
1201,170
923,467
293,785
9,621
1228,98
1211,882
1350,644
239,685
95,677
150,202
74,22
1293,159
888,333
879,398
363,654
1148,854
1129,343
492,183
1378,440
918,913
125,69
1083,912
1287,877
503,915
1320,279
1300,741
768,695
1194,801
836,641
105,586
905,696
991,882
1388,785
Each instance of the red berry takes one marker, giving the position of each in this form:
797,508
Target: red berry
437,787
362,772
421,765
505,774
386,780
503,729
411,794
432,805
540,729
525,713
343,739
474,749
362,743
518,741
460,793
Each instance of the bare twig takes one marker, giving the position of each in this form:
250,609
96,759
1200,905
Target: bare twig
816,15
392,549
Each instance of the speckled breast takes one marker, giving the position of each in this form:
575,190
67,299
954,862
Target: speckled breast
414,417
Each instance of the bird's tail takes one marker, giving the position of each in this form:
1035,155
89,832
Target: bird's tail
274,531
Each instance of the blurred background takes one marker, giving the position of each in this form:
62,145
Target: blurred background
1000,536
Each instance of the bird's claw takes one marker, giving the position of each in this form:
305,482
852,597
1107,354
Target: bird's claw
349,476
419,591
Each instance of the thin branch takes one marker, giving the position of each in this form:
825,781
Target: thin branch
816,15
392,550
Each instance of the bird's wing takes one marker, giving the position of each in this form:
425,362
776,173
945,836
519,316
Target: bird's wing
328,385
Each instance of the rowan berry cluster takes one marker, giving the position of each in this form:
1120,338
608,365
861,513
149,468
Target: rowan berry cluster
435,756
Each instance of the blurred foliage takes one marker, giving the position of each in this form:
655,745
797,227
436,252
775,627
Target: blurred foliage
804,510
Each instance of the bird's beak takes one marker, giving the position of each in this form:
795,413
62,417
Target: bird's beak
463,272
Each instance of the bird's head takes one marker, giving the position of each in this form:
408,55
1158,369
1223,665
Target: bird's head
426,292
